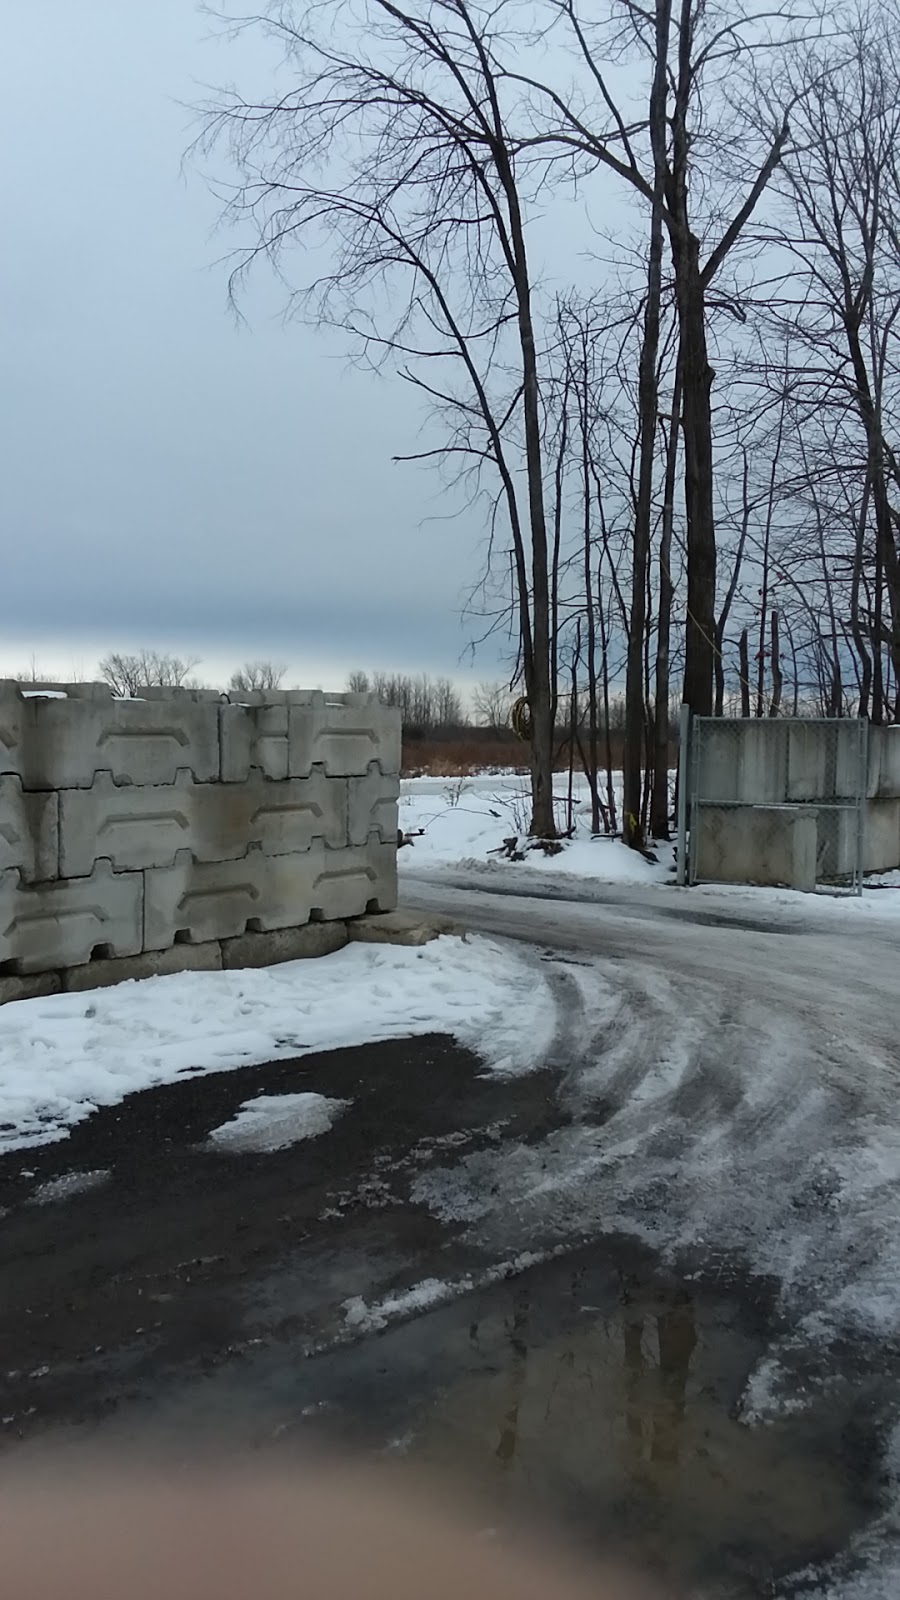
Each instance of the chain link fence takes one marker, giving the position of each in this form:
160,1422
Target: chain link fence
774,801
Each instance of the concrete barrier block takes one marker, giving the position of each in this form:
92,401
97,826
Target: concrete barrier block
345,738
743,761
823,760
373,805
66,741
53,925
196,900
140,827
755,844
29,831
884,763
880,838
12,722
253,736
357,879
132,826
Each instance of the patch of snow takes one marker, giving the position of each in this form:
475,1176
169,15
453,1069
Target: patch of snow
275,1121
363,1318
63,1056
360,1317
69,1184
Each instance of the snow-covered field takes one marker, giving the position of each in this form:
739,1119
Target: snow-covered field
464,820
63,1056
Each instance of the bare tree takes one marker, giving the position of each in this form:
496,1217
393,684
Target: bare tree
492,703
254,675
393,142
841,185
127,675
358,682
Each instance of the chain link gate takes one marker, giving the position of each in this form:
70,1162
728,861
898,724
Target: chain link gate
773,801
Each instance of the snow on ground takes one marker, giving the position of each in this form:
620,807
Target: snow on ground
275,1121
360,1317
464,819
69,1184
63,1056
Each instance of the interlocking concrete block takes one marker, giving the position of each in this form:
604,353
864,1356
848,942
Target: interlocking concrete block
54,925
823,760
357,879
130,825
373,805
140,827
29,831
253,736
755,844
344,737
196,900
150,964
839,840
283,944
65,742
12,723
884,763
743,761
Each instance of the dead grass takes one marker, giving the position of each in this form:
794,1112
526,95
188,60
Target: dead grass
479,750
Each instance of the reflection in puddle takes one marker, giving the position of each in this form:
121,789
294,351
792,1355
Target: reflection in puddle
617,1413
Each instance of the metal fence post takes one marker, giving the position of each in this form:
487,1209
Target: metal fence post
862,789
684,740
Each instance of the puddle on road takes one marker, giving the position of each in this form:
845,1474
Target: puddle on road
592,1393
609,1404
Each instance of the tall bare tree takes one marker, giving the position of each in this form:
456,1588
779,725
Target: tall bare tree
715,167
841,185
394,142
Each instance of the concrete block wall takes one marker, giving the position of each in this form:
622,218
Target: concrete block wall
768,764
185,817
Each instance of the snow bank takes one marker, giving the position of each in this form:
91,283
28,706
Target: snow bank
275,1121
63,1056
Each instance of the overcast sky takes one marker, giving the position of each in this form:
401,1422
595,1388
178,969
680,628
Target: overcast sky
167,478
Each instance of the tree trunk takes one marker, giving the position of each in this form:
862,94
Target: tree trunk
697,376
777,675
732,590
589,599
540,689
659,805
611,818
744,653
648,395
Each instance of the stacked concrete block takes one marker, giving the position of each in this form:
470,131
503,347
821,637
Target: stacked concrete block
137,826
743,763
759,844
884,763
